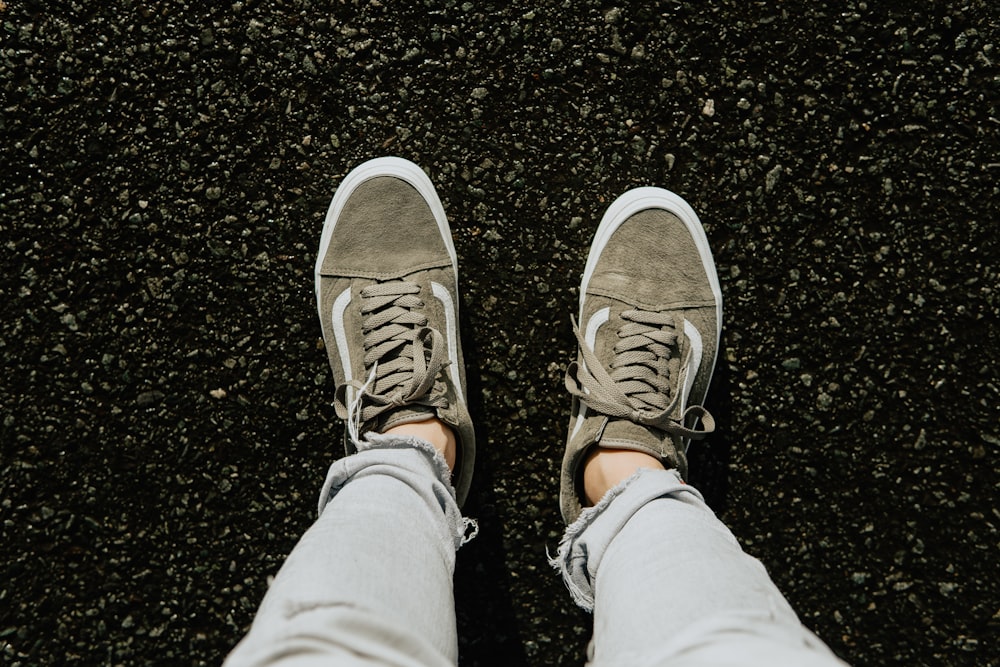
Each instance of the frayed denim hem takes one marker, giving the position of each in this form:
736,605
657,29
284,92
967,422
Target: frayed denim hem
342,470
580,551
380,441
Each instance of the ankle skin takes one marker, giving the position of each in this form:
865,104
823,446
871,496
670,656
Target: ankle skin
604,469
433,431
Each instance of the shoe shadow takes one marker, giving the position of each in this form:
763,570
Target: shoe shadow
708,460
487,626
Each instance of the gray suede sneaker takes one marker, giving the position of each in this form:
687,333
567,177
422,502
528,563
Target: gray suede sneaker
387,294
651,318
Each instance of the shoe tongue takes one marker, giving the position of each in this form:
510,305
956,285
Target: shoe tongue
624,434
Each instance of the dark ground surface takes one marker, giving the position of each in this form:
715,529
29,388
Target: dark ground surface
166,404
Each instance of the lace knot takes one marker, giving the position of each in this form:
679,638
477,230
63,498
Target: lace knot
642,382
403,356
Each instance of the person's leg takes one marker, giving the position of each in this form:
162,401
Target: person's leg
371,581
667,582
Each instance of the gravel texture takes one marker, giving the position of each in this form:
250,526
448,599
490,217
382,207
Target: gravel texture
166,405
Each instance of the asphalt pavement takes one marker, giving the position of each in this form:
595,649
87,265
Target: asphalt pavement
166,406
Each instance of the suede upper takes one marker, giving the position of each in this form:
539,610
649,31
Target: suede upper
386,228
649,261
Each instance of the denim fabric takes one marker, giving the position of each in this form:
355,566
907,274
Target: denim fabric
370,583
669,584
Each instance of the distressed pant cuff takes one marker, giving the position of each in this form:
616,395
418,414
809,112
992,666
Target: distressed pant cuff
409,458
585,541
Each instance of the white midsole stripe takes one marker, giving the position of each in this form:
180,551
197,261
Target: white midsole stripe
450,314
594,324
340,337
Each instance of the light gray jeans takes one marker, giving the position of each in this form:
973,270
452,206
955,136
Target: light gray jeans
370,583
